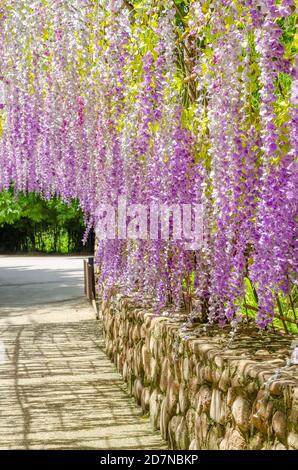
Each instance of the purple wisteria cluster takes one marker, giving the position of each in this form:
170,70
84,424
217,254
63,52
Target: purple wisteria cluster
92,106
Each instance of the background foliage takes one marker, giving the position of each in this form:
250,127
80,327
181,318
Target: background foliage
30,223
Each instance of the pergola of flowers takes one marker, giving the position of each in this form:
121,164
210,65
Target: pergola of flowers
164,102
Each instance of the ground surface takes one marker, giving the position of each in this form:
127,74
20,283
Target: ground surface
58,390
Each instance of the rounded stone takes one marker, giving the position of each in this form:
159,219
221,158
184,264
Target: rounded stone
183,399
204,401
279,446
146,356
193,445
201,429
185,368
259,423
213,439
241,411
167,411
279,425
124,371
208,374
236,441
256,442
231,395
219,362
192,391
224,381
164,376
145,399
293,440
137,390
190,422
136,336
182,436
172,394
154,409
154,370
173,435
218,407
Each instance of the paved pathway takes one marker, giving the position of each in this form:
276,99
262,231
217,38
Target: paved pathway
58,390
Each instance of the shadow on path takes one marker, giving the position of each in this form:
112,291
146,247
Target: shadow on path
58,389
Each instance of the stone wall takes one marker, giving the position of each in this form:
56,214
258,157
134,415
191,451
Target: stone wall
205,391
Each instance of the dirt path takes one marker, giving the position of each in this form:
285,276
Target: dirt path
58,390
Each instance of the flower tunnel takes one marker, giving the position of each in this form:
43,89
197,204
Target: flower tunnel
164,103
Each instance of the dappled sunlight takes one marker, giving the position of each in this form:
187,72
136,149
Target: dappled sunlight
59,391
